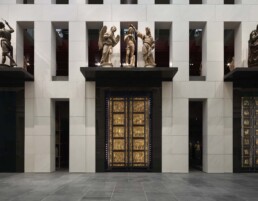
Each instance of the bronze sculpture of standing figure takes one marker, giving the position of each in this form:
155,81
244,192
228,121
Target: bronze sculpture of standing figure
147,47
130,47
253,49
107,41
7,49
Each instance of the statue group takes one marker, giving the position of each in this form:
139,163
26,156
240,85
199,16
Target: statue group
5,39
107,40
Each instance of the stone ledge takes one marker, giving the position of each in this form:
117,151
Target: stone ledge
129,74
14,74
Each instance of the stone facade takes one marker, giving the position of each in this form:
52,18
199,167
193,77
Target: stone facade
216,95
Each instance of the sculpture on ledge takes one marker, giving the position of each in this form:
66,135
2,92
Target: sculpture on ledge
147,47
7,49
130,48
253,49
107,41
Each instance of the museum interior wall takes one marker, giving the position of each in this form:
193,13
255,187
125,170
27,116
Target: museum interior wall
179,17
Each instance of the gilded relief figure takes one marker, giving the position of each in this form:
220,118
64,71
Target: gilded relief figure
7,48
107,41
253,49
147,47
130,48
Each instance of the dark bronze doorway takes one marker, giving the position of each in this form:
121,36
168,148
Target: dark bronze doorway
128,128
128,132
249,132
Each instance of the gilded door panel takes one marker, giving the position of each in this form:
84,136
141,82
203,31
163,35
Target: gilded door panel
138,131
118,131
138,119
118,119
128,137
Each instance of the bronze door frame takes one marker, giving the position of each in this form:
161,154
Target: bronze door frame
105,88
239,129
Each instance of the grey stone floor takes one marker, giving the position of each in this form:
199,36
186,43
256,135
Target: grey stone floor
128,187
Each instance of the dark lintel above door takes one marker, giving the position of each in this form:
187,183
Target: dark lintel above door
129,74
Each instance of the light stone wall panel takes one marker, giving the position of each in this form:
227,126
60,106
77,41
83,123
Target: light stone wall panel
29,112
196,89
200,13
249,2
219,89
228,90
215,144
180,48
77,126
213,2
124,13
215,125
95,13
167,13
90,88
90,162
77,152
182,2
146,2
77,107
42,126
29,12
42,107
74,54
166,107
215,163
111,1
183,71
77,1
228,163
228,145
228,126
181,31
42,2
60,13
231,13
177,163
8,2
167,90
75,72
90,116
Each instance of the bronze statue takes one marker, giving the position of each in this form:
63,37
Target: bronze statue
107,41
148,46
7,49
253,49
130,48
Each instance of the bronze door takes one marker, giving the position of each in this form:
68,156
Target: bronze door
249,132
128,132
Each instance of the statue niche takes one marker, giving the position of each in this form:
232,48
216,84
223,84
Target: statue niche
253,49
7,48
107,41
